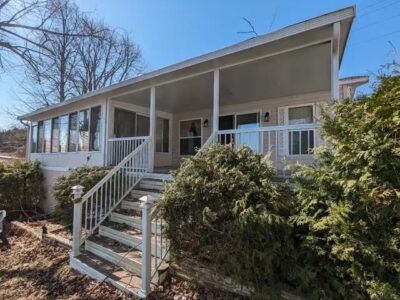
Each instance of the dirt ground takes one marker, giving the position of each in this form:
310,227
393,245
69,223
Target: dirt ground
30,269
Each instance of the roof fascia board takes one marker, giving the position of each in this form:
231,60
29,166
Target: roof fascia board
314,23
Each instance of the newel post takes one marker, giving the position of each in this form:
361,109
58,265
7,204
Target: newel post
77,192
146,203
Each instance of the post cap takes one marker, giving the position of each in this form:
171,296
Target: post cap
77,191
147,199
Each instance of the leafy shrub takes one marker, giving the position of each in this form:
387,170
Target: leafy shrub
20,186
224,209
86,176
348,218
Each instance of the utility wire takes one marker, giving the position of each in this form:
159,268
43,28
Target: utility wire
376,22
372,4
374,38
379,8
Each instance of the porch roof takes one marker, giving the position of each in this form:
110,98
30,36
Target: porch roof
318,29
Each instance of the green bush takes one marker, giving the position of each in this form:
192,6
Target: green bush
348,219
86,176
223,208
20,186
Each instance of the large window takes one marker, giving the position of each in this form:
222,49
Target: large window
55,135
162,135
34,137
83,130
124,123
63,133
142,125
95,128
78,131
301,142
73,138
40,147
190,136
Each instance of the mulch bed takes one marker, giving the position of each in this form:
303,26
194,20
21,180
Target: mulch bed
31,269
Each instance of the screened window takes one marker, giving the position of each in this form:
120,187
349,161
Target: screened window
95,128
142,125
83,130
63,133
190,136
162,135
73,138
124,123
40,148
34,137
301,142
55,135
47,136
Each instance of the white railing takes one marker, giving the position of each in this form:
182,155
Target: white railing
118,148
155,247
288,145
96,205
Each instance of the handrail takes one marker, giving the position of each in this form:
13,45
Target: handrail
101,199
211,140
297,127
130,138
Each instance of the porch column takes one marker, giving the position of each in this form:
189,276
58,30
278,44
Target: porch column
335,61
216,102
152,127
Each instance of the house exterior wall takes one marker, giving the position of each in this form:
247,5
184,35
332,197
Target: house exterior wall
54,165
268,105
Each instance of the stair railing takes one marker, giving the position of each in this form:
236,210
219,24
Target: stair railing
97,204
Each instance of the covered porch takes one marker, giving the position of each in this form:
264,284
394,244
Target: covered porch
270,104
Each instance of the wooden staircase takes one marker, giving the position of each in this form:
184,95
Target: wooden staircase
114,252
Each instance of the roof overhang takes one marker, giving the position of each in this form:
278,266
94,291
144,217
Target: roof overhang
312,31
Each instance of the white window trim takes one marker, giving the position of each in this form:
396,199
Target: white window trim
180,137
286,108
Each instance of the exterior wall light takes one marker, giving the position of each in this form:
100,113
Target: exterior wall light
266,117
205,123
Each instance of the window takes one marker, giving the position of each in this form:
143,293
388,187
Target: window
34,137
301,142
162,135
55,135
40,147
95,123
190,136
73,138
142,125
47,136
83,130
124,123
63,133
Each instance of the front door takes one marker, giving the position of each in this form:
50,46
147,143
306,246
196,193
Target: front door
241,121
249,139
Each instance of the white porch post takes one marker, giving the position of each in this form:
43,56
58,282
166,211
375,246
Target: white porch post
152,127
216,102
106,124
335,61
77,192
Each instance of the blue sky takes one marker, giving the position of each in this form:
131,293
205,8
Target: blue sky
174,30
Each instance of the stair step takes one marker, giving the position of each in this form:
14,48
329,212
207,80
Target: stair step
138,193
133,221
102,270
130,203
151,184
159,176
116,253
124,234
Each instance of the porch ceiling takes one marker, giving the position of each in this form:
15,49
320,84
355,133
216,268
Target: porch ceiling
301,71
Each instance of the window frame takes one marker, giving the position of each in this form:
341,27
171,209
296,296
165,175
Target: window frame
180,136
67,114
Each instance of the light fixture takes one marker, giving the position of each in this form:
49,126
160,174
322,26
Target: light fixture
266,117
205,123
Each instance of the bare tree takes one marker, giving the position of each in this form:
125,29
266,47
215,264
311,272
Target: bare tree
84,56
19,19
111,57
